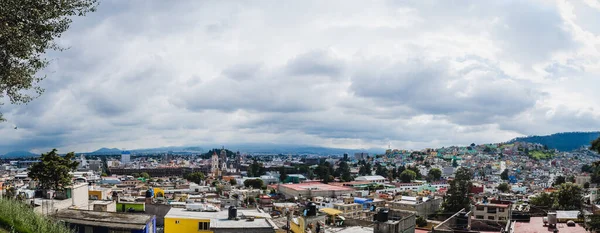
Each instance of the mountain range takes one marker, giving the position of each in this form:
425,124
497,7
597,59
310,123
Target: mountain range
560,141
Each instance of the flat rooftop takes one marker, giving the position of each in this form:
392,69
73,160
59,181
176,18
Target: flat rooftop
536,225
106,219
315,186
219,219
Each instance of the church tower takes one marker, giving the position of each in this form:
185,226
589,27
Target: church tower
214,162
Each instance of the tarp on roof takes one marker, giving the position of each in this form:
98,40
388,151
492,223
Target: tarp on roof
361,200
330,211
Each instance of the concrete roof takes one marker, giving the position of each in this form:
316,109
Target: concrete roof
105,219
219,219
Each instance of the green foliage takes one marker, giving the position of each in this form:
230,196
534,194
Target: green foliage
145,175
454,163
28,29
196,177
365,168
421,222
407,176
456,196
503,187
344,171
569,196
596,145
434,174
104,174
52,172
324,172
254,183
18,217
504,174
543,200
417,172
536,154
233,182
256,169
282,174
586,185
559,180
594,224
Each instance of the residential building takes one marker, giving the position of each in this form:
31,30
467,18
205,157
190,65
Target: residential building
421,206
309,190
491,211
581,180
348,208
83,221
125,157
179,220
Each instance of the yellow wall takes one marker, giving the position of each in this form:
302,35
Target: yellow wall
159,190
184,225
96,193
293,227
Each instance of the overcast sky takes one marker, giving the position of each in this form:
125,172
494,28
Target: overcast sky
350,74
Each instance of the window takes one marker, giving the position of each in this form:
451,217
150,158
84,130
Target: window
89,229
176,221
500,209
118,231
491,217
479,217
480,208
203,226
502,218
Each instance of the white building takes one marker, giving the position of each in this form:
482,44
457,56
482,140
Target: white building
125,157
374,179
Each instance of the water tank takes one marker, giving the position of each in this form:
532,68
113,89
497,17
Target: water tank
232,213
552,218
383,215
149,193
462,220
312,209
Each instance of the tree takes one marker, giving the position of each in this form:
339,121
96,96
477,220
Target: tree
233,182
104,174
454,163
256,169
196,177
28,29
503,187
543,200
596,145
324,172
53,170
456,196
282,174
586,185
421,222
145,175
569,196
434,174
254,183
559,180
365,169
417,172
407,176
504,174
344,171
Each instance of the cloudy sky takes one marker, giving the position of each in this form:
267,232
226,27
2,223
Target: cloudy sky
350,74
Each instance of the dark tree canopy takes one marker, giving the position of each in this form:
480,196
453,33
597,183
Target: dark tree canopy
504,174
457,195
196,177
28,29
434,174
596,145
52,172
407,176
254,183
503,187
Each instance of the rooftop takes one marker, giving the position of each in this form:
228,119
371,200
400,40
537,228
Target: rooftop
317,186
219,219
536,225
107,219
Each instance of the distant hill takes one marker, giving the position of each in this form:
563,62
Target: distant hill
19,154
107,151
562,141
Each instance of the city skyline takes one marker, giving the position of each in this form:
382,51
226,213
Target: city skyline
415,74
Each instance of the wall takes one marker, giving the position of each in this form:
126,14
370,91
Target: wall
160,211
184,225
79,195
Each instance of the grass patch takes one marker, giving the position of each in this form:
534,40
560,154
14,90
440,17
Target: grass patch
16,217
536,154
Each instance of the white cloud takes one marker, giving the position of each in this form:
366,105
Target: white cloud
337,73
